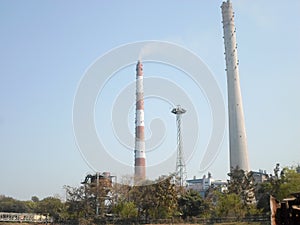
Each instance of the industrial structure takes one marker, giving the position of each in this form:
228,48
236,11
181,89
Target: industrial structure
237,133
139,152
25,217
101,185
286,212
180,163
202,185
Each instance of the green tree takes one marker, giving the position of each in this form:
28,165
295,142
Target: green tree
51,206
78,203
8,204
157,200
241,183
144,198
280,185
270,187
89,200
165,196
290,183
126,210
229,205
35,199
191,204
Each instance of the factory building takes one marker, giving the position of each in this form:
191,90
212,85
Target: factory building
202,185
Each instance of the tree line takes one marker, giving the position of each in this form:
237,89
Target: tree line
50,206
94,202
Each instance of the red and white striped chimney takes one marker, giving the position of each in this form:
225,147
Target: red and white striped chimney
139,153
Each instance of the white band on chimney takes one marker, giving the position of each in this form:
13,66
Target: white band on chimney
140,154
140,118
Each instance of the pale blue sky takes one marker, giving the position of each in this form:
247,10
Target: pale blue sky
46,46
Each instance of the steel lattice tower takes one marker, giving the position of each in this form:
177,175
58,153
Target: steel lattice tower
180,163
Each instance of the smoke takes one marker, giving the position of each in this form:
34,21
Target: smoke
146,50
150,49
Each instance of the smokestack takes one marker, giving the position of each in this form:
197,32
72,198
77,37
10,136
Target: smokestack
139,153
237,132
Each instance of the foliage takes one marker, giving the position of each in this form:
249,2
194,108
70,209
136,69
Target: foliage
122,192
229,205
126,210
290,184
8,204
35,199
155,200
191,204
280,185
239,200
241,183
52,207
160,199
78,204
48,206
89,201
165,198
143,198
272,185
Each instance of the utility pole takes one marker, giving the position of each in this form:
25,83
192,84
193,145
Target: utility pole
97,193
